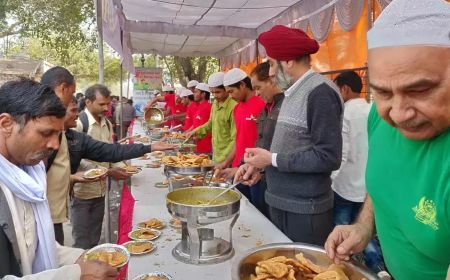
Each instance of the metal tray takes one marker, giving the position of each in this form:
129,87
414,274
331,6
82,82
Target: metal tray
188,170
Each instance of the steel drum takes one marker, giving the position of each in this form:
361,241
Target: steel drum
244,265
154,116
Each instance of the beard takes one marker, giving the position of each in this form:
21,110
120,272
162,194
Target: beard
282,80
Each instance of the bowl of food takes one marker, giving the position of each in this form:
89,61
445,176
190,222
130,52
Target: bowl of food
139,247
157,275
112,254
144,234
152,223
131,169
175,223
95,173
294,261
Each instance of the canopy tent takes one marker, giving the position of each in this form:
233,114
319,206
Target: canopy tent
228,29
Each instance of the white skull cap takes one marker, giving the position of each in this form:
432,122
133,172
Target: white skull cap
216,79
233,76
192,83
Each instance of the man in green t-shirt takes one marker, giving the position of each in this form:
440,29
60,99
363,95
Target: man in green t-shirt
221,121
408,167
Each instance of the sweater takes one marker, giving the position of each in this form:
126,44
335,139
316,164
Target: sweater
308,144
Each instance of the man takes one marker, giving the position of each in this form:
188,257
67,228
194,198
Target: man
221,122
75,146
128,116
348,182
407,173
169,98
307,142
201,116
88,202
179,115
187,98
31,120
238,85
192,84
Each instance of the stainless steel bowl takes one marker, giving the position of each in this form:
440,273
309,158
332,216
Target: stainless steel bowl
154,116
181,203
244,265
188,170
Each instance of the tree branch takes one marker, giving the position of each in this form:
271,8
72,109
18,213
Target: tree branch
10,31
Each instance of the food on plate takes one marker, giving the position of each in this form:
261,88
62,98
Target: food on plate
176,135
155,278
187,160
158,154
219,180
285,268
131,169
112,258
142,139
175,223
144,234
152,223
94,173
139,247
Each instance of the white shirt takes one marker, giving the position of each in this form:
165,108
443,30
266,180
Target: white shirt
349,180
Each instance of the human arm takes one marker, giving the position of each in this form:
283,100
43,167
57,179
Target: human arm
346,138
346,240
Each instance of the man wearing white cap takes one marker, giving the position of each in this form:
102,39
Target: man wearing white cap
168,97
192,84
187,98
221,121
201,116
407,174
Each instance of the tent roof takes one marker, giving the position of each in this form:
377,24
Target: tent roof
222,28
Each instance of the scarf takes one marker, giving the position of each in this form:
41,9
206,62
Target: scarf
29,184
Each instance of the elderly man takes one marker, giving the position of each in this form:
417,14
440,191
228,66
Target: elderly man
221,121
307,143
407,174
31,120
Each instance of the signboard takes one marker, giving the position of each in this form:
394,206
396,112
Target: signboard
145,82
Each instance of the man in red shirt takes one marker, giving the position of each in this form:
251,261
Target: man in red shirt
201,116
246,112
187,98
168,97
179,113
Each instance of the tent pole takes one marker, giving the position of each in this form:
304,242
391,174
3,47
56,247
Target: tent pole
369,26
257,52
101,62
128,85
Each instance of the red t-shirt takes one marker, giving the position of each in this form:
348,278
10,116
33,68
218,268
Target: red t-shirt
190,112
245,116
204,144
179,108
169,98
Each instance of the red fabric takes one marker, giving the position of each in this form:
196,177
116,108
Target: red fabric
202,115
179,108
169,98
125,223
284,43
245,116
190,112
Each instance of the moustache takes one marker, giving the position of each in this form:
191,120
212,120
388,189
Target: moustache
410,124
42,155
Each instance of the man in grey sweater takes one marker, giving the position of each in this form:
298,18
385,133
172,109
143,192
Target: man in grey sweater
307,144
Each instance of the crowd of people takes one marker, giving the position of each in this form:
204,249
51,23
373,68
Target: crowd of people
324,165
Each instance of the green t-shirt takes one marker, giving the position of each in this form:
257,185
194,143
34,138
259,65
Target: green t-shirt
409,182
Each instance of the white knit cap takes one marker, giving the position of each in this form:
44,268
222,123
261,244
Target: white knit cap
216,79
411,22
233,76
192,83
167,88
186,92
202,86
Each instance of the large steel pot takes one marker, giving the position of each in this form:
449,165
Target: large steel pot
244,265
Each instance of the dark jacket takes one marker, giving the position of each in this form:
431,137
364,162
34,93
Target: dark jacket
267,121
83,146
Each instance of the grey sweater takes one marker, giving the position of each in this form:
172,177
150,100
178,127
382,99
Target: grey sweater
308,142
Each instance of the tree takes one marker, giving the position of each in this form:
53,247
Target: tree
58,23
184,69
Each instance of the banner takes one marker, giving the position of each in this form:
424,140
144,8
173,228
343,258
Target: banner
145,82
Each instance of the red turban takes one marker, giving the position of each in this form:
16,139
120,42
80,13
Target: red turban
285,43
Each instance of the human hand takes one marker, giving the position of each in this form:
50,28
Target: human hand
189,134
96,270
224,164
162,146
347,240
227,173
118,173
258,157
247,174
